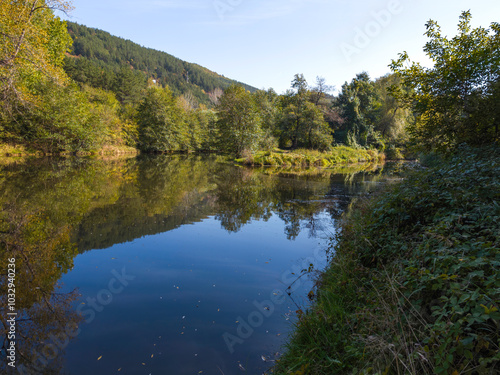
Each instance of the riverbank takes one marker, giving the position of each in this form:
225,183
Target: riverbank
310,158
8,150
413,287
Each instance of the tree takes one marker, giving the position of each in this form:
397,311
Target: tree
160,124
267,106
33,45
129,85
238,121
302,121
392,119
319,92
317,133
453,99
38,105
357,103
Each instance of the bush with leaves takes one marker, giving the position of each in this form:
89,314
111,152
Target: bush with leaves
413,286
457,99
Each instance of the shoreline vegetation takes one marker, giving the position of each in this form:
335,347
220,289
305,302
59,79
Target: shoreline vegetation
88,92
8,151
300,158
413,286
338,155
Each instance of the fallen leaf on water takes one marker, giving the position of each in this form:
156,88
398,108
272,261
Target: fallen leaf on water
152,355
99,357
120,369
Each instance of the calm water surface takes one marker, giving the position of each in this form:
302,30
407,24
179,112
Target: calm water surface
164,264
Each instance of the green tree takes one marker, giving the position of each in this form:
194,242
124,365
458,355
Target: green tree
160,122
238,121
267,106
319,92
129,85
302,121
453,99
391,118
207,121
357,103
33,42
317,133
39,106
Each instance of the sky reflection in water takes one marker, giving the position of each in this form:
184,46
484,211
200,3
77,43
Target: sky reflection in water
208,251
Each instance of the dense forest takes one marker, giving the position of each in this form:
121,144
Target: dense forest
67,88
102,60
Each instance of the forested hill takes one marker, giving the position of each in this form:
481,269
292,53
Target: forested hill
100,60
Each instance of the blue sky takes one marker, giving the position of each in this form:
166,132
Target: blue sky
265,42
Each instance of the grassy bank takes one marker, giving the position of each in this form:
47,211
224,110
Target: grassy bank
414,285
311,158
9,150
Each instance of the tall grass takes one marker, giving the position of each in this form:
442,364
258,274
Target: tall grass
312,158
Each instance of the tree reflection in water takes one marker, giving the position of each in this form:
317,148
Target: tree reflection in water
53,209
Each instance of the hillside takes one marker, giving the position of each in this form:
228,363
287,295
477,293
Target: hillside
100,60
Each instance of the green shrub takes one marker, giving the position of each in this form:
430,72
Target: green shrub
414,280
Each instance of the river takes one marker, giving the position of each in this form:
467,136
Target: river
164,264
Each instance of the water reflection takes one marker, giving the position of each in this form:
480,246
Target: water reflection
54,209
